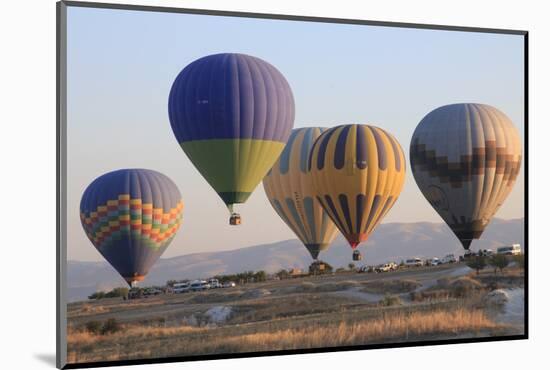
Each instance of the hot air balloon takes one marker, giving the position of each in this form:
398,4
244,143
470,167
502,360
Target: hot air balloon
232,115
358,172
289,188
465,159
131,216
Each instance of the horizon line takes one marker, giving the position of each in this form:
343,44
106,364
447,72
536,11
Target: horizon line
294,239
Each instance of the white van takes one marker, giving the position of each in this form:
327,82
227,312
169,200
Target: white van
214,283
413,262
199,285
450,258
181,287
510,250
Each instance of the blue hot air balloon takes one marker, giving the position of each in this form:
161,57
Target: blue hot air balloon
131,216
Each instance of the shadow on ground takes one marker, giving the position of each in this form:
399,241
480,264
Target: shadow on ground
47,358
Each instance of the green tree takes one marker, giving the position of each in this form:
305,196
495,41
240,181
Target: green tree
477,263
260,276
117,292
171,282
351,266
499,261
520,260
282,274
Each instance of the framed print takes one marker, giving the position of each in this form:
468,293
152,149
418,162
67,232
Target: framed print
239,184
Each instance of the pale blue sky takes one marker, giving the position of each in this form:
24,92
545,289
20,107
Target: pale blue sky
121,65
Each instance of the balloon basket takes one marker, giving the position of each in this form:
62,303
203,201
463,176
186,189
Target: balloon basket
235,219
357,256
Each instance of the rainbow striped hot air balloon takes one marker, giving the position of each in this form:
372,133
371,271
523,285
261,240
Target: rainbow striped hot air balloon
465,159
232,115
358,172
131,216
289,188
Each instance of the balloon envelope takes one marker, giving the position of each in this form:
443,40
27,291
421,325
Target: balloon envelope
358,172
131,216
465,159
289,188
232,115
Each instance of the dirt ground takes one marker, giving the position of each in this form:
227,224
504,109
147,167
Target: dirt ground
415,304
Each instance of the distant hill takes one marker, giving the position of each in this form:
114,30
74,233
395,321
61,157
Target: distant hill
390,242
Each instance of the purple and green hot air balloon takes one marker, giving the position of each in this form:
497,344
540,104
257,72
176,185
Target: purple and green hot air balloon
131,216
232,115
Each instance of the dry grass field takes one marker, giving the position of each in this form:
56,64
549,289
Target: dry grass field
340,310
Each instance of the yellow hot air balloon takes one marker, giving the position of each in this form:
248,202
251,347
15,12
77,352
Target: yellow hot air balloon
289,188
358,172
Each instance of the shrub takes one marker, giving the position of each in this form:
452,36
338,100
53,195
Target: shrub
116,292
430,295
391,286
477,263
93,327
110,326
499,261
97,295
446,288
464,287
390,300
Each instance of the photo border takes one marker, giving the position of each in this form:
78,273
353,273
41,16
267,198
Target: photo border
61,186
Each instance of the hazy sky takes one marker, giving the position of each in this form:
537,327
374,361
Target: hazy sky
121,65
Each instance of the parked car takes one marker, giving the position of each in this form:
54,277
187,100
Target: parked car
181,287
510,250
367,269
135,293
450,258
384,267
467,255
412,262
486,252
199,285
151,292
393,266
214,283
433,262
380,268
229,284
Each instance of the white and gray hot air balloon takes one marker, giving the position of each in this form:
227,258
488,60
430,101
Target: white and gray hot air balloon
465,159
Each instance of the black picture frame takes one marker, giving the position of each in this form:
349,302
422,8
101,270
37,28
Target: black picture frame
61,173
